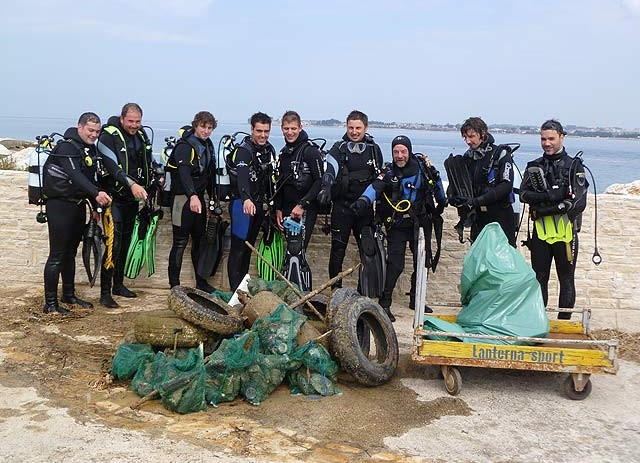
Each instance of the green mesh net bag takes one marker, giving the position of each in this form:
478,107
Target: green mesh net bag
314,371
179,379
278,330
224,366
129,358
262,377
279,288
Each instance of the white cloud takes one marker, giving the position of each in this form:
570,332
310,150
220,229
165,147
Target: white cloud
632,6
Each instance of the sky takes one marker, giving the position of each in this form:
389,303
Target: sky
434,61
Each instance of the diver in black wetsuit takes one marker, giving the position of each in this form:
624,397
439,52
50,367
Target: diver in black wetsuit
555,188
250,175
409,196
300,171
194,170
352,164
68,182
491,171
126,153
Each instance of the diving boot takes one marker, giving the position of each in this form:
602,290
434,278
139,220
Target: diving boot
105,291
51,305
72,299
412,306
203,285
108,301
122,290
387,311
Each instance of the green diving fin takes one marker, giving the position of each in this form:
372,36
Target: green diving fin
374,261
295,267
150,241
136,255
271,247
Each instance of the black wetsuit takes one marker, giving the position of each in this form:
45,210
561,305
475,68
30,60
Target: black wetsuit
354,171
491,172
299,180
123,155
565,193
419,184
68,181
252,164
195,161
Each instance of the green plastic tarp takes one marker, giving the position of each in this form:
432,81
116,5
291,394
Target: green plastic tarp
498,291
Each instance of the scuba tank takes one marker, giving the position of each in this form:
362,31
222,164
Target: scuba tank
224,164
165,154
37,159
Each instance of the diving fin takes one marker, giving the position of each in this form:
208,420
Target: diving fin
150,241
271,247
92,244
210,247
136,255
295,267
373,259
438,225
458,175
460,186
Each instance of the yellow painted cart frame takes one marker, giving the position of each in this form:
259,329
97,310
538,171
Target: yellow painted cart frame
567,349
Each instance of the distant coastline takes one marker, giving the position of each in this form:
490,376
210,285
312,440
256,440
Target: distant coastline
572,130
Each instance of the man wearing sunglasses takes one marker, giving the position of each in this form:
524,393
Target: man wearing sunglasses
352,164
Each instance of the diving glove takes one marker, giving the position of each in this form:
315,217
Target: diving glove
360,205
324,197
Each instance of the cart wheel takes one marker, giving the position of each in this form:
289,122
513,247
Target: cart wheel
571,391
452,379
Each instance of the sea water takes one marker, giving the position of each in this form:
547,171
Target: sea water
610,160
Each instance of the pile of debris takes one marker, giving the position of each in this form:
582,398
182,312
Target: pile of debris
202,350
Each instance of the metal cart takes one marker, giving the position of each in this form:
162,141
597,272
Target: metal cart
567,349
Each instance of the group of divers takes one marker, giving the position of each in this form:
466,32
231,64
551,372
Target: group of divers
110,170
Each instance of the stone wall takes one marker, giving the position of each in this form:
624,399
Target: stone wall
611,285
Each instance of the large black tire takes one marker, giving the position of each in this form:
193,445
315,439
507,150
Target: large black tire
159,328
204,310
347,344
337,298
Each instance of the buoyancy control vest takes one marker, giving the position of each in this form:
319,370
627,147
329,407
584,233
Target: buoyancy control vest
355,171
485,168
56,182
260,163
560,172
409,192
201,160
132,154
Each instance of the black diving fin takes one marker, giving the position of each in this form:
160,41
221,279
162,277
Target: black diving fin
295,267
460,189
374,261
92,245
211,246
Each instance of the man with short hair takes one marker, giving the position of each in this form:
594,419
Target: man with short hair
126,152
68,181
491,171
298,184
191,177
409,197
555,188
252,189
352,164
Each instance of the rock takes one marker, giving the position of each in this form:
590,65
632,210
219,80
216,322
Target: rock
15,145
632,188
21,158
